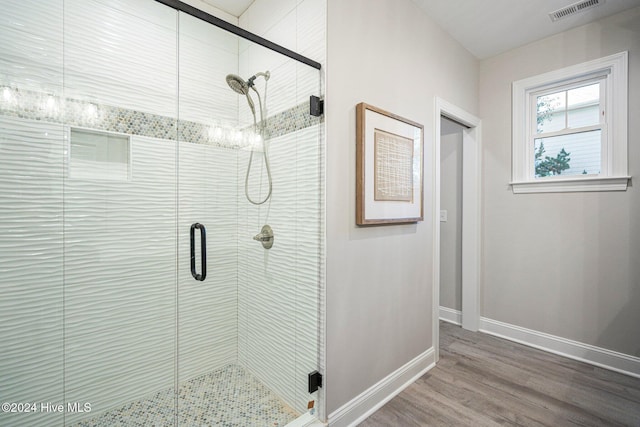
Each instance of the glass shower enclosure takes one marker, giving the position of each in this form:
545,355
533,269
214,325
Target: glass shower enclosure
136,286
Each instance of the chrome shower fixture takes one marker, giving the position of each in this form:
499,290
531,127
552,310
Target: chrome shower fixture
265,237
242,87
251,79
239,86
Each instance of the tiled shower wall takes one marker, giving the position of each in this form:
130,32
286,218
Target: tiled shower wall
278,288
116,309
279,304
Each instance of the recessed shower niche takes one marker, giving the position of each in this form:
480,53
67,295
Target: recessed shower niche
98,155
118,133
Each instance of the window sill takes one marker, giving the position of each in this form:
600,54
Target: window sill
571,185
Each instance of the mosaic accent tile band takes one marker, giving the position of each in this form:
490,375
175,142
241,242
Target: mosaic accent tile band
52,108
230,396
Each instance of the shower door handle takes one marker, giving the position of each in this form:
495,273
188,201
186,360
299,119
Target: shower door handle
203,251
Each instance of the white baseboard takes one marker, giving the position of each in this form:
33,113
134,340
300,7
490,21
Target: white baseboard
306,420
608,359
450,315
358,409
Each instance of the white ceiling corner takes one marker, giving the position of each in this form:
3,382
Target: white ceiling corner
233,7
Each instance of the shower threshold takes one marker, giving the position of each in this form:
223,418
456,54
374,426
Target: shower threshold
230,396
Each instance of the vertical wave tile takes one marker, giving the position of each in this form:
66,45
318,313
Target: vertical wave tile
31,280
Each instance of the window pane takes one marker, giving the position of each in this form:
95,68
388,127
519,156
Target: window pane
584,106
550,110
552,122
585,95
574,154
584,116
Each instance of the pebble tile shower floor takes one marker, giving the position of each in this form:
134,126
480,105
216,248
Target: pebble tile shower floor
230,396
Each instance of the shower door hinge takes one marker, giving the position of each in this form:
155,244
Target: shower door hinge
315,381
316,106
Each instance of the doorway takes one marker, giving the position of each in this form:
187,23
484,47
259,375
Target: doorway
451,138
455,126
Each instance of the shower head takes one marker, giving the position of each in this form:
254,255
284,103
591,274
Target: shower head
240,86
237,84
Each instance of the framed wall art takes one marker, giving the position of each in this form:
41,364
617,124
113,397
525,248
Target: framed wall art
389,167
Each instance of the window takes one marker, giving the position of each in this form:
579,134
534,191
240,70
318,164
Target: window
570,129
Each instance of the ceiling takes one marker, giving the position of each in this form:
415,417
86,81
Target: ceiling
489,27
234,7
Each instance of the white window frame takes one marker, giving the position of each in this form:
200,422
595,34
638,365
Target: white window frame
612,73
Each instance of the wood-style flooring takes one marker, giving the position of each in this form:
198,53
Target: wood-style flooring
482,380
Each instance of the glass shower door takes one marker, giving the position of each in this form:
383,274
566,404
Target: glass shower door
247,333
31,213
207,203
120,212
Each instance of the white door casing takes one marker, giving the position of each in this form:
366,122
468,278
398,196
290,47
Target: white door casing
471,174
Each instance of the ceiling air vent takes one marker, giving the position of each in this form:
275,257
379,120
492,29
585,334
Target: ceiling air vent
574,8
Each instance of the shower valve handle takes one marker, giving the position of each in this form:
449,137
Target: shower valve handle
265,237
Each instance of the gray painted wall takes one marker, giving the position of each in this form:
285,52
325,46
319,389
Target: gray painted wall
566,264
379,279
451,201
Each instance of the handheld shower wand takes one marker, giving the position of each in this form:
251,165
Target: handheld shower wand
238,85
